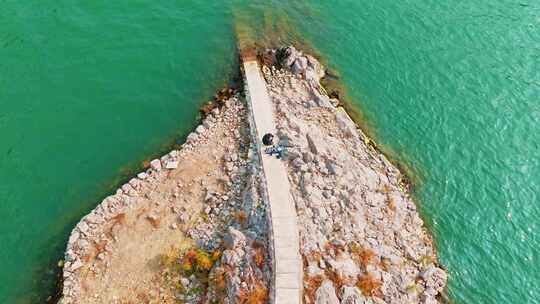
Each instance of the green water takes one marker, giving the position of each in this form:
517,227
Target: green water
450,88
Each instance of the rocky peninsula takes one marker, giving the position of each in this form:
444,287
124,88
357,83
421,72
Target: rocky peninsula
196,226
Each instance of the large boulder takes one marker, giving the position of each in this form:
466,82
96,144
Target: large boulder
315,70
300,64
344,266
156,164
326,294
351,295
315,140
234,239
435,279
345,123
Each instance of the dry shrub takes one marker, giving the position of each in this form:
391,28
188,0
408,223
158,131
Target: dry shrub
391,204
241,217
364,256
169,259
153,221
141,212
338,280
217,280
187,262
197,261
86,258
207,108
145,164
311,284
259,258
216,255
100,247
119,219
333,249
386,189
413,288
256,295
203,261
385,264
259,255
143,297
426,260
313,256
370,286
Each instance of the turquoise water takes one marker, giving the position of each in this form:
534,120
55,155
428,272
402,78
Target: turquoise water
451,88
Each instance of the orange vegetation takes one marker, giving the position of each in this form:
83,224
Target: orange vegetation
256,295
370,286
364,256
311,284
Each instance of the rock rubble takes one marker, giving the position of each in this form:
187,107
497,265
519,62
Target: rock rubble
362,239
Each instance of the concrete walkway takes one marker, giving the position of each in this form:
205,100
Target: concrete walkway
288,264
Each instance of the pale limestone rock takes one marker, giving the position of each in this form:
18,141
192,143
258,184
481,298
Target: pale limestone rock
344,122
326,294
171,164
200,129
351,295
76,265
344,266
155,164
315,141
234,239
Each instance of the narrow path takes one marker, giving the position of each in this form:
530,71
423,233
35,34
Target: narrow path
288,264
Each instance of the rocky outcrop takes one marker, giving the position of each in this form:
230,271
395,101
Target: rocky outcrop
361,238
361,234
297,62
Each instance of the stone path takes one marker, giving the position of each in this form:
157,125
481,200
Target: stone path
288,264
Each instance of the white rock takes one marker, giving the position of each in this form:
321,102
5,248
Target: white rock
127,188
351,295
171,164
83,227
323,101
200,129
435,278
326,294
74,237
315,141
183,218
300,65
156,164
230,257
76,265
234,239
333,168
345,123
344,266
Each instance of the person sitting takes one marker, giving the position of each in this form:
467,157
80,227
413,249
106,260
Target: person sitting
277,150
